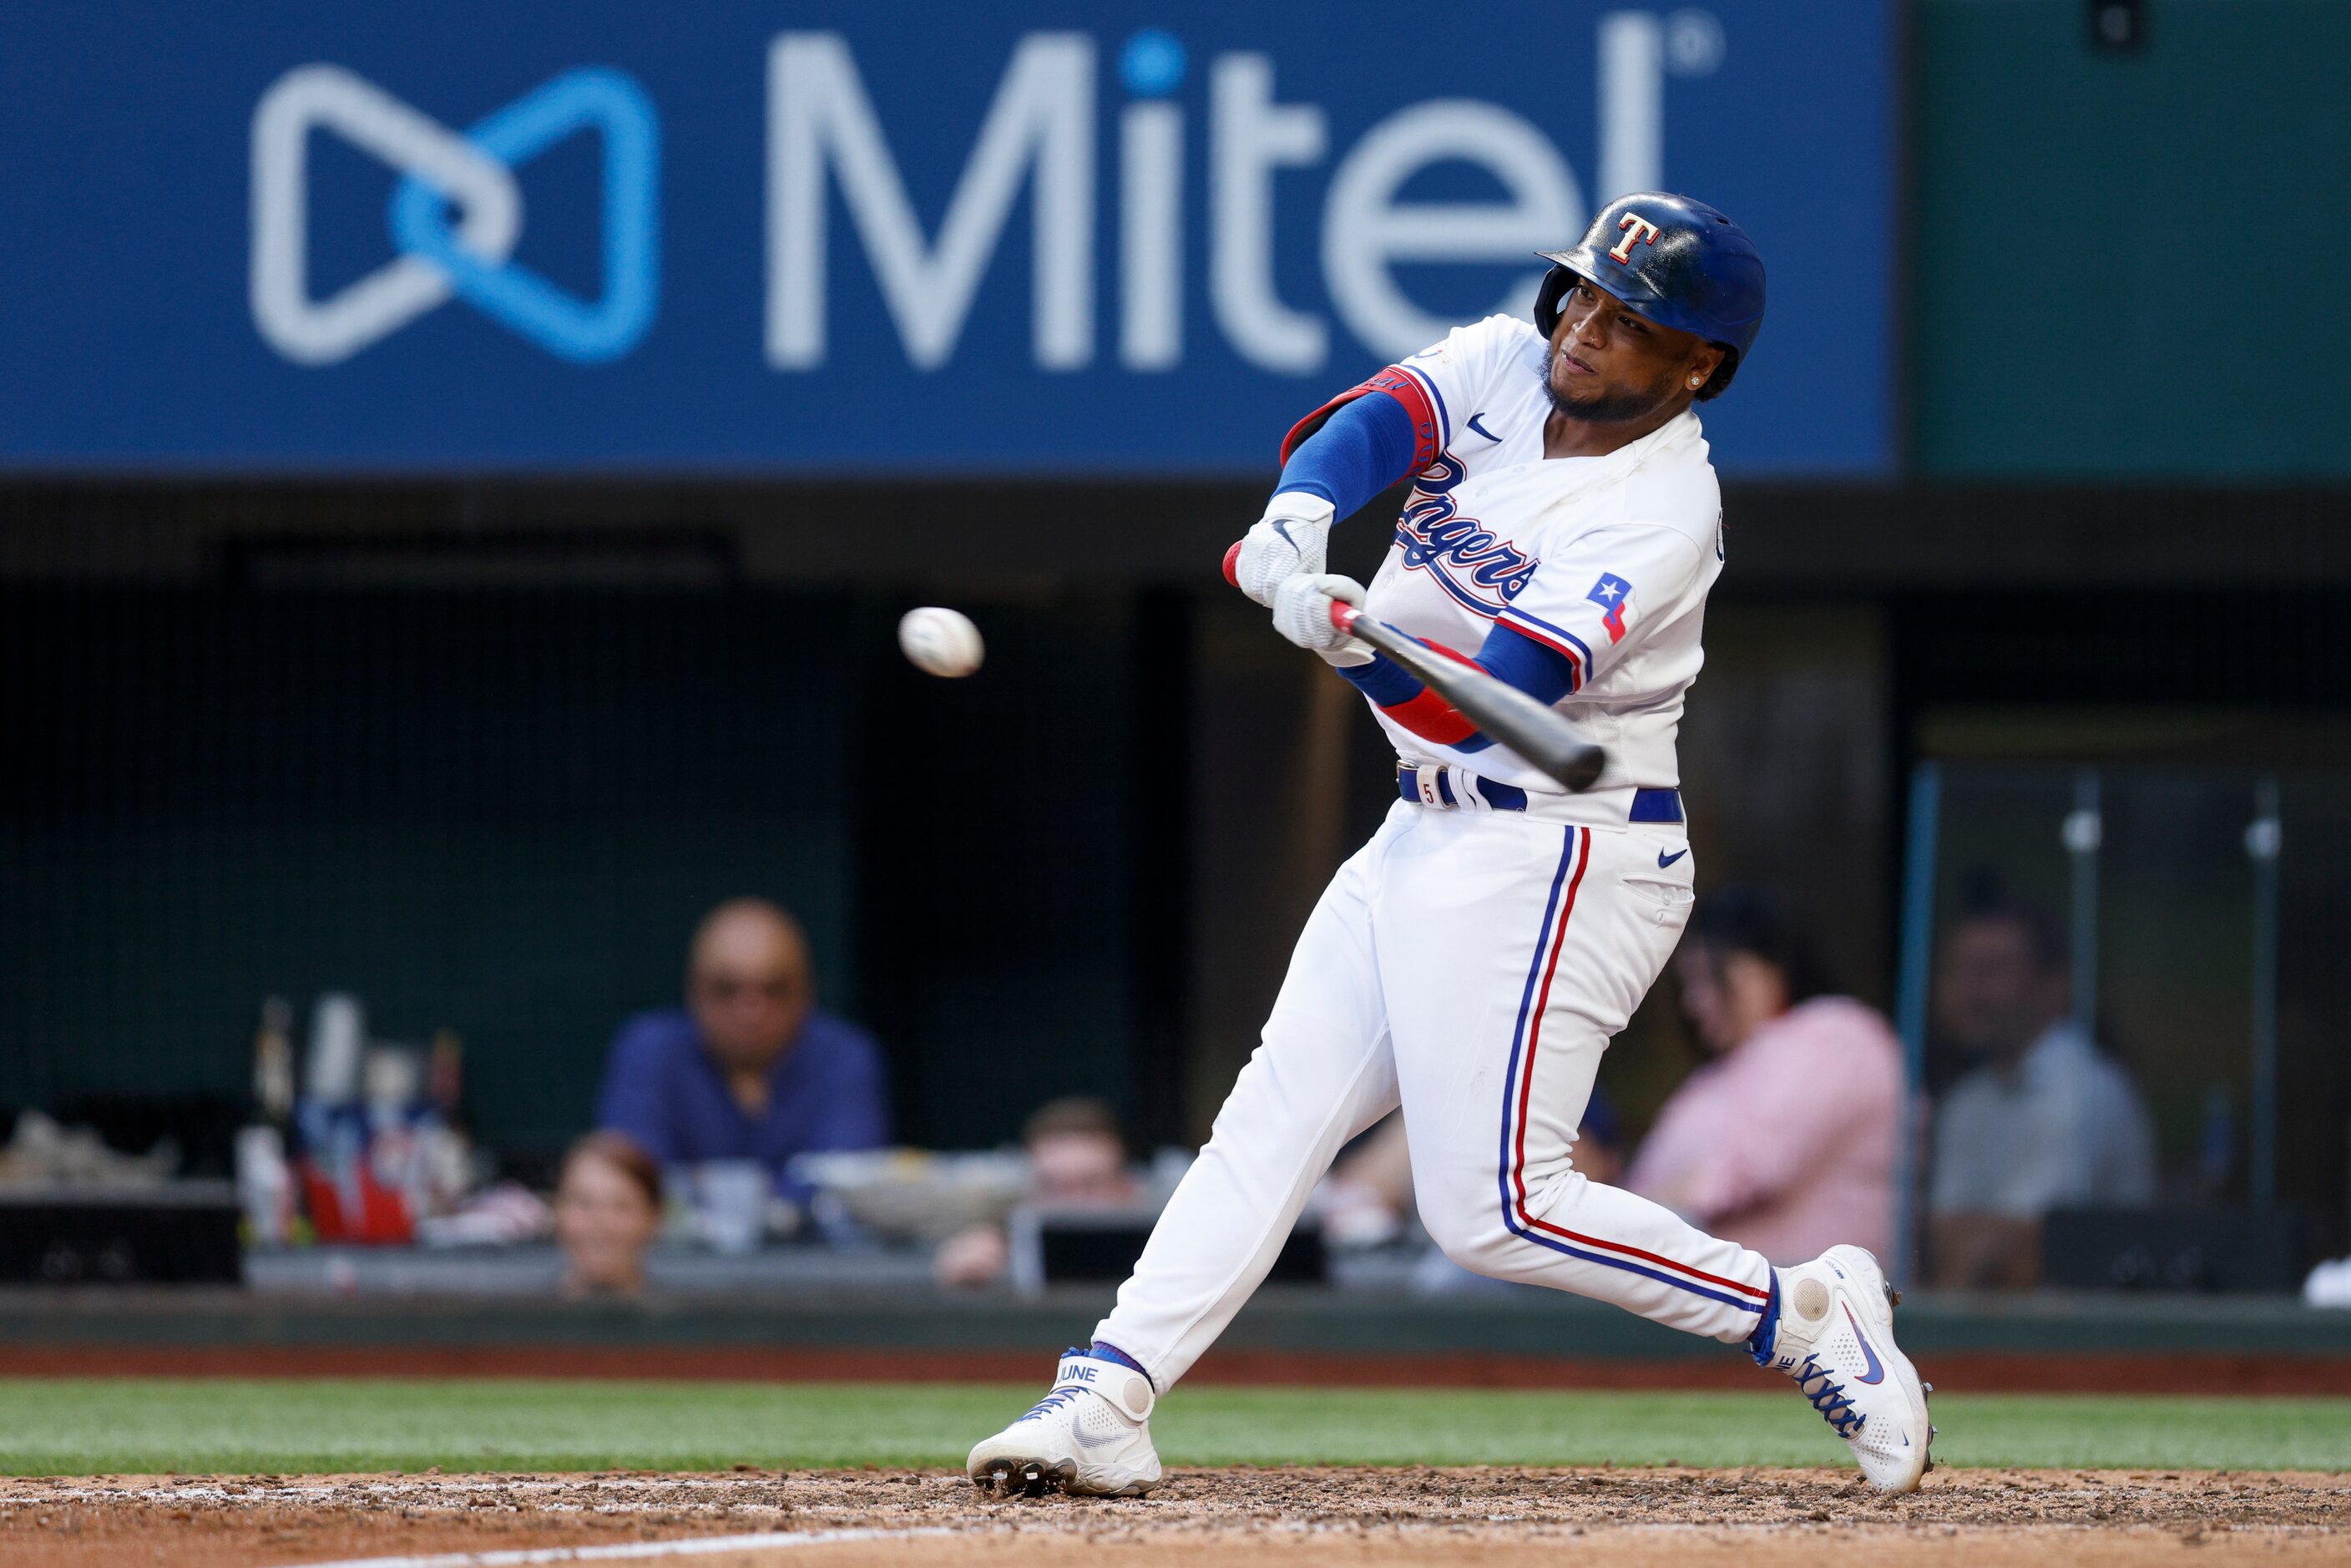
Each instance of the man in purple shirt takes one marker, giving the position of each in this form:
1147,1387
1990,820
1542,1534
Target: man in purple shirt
748,1069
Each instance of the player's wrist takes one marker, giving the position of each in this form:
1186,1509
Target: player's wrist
1301,507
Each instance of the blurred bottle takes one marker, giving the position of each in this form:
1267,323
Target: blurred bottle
327,1119
264,1186
265,1183
338,1044
394,1179
452,1169
273,1062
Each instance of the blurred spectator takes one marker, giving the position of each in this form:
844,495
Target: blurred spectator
750,1069
1785,1141
2045,1122
1077,1160
608,1208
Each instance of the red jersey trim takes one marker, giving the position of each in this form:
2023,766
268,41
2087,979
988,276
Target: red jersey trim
1426,443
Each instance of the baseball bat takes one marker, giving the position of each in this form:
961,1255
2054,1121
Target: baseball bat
1538,734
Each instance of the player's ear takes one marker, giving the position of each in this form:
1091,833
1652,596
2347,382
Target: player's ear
1703,364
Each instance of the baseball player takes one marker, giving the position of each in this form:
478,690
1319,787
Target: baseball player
1472,960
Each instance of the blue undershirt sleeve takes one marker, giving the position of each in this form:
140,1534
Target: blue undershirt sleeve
1515,659
1364,446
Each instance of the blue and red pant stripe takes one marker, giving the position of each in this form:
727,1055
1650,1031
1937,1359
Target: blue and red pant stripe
1526,1043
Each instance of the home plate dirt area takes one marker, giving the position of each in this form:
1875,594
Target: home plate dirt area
1286,1516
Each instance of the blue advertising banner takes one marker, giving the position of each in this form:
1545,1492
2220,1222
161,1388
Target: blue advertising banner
891,237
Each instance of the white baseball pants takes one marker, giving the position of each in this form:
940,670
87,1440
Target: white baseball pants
1472,967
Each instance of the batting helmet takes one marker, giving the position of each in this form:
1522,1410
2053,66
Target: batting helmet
1674,260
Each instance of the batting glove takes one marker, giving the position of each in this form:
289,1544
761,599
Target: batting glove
1289,541
1301,612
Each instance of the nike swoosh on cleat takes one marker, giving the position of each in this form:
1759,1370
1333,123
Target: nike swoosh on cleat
1085,1442
1876,1368
1665,860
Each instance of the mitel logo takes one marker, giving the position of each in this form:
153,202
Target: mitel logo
434,261
455,220
1041,130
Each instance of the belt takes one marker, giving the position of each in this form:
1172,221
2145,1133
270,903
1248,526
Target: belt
1457,789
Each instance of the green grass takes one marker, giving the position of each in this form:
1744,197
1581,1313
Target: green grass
59,1427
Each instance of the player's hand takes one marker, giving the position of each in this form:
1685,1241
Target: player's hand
1290,540
1301,612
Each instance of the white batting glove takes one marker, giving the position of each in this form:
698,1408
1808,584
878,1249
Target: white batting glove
1288,539
1301,612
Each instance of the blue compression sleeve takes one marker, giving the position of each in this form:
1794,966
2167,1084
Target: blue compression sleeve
1364,446
1515,659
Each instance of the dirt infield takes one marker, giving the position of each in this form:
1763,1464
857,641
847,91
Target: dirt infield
1290,1517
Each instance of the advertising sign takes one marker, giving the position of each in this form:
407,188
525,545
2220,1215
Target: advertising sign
885,239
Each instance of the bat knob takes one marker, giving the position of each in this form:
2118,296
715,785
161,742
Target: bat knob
1233,564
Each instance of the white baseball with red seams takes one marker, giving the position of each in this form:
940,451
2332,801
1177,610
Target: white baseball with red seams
941,642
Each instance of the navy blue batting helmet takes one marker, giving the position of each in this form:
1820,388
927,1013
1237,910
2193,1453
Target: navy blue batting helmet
1674,260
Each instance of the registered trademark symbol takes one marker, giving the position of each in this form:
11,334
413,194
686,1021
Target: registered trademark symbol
1693,43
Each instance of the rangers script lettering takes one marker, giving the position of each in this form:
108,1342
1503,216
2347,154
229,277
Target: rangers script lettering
1476,566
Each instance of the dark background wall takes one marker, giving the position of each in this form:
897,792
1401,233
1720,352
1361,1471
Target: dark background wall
500,810
495,812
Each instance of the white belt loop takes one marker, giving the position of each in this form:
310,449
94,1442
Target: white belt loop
1465,790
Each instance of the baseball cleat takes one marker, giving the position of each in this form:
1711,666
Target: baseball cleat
1835,1339
1090,1436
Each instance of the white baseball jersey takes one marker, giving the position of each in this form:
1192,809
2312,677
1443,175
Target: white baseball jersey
1605,560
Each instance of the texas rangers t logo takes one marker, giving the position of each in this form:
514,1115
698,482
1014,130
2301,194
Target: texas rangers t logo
1610,593
1638,230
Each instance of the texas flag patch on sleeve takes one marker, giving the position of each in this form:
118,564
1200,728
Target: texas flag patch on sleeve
1613,594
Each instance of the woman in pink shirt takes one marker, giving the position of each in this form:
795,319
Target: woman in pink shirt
1785,1141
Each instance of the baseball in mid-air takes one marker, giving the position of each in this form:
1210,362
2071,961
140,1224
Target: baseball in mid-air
940,641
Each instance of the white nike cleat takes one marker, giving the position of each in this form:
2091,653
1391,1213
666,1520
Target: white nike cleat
1090,1436
1835,1339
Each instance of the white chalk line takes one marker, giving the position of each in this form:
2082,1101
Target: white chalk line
690,1546
606,1495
